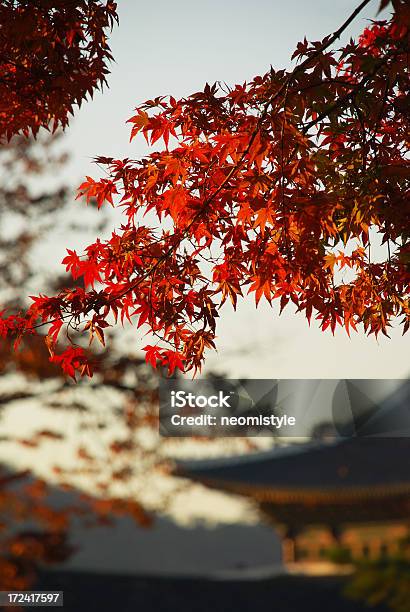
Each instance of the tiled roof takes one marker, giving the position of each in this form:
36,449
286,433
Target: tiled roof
355,463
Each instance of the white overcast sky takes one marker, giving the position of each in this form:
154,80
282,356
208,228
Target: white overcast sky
175,48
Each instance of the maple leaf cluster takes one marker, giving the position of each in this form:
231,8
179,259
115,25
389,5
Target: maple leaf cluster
52,55
275,187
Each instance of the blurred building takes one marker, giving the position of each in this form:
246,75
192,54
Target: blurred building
332,503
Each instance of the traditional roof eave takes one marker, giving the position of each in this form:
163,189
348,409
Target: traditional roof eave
315,496
352,468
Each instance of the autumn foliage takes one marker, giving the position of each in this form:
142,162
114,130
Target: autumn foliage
279,188
36,519
52,55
